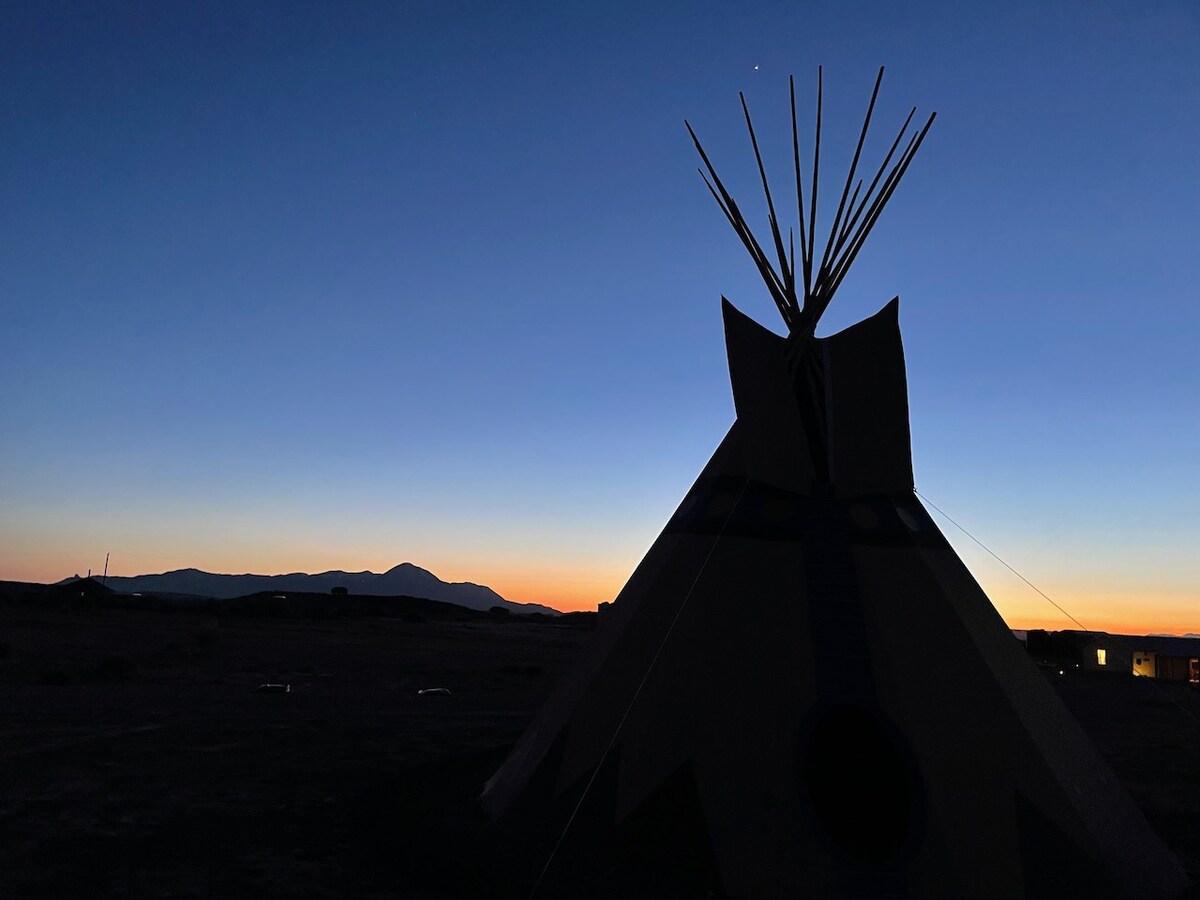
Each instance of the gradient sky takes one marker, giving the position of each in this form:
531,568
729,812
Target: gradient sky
305,286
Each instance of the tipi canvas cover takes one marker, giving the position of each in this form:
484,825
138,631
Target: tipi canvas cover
802,691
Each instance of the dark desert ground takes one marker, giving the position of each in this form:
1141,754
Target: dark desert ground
139,760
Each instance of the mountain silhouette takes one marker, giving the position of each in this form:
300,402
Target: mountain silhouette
404,579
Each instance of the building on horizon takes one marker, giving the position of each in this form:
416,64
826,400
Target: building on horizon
1164,657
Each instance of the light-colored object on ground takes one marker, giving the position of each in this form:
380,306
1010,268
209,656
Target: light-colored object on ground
273,689
899,741
424,692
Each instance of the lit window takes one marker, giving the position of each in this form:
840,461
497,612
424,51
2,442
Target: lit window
1101,657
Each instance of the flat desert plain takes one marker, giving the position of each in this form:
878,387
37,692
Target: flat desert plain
139,760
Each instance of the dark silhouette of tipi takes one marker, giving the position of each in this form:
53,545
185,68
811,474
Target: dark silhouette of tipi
802,691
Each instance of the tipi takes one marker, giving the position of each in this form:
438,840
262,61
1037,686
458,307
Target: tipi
802,691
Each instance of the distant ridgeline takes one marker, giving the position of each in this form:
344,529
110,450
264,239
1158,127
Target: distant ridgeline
402,580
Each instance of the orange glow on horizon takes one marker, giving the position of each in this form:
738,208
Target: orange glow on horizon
1164,612
1149,624
564,589
572,585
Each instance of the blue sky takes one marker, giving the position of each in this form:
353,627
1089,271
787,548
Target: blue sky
302,286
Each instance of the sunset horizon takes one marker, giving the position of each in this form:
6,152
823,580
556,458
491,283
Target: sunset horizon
294,292
1018,604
